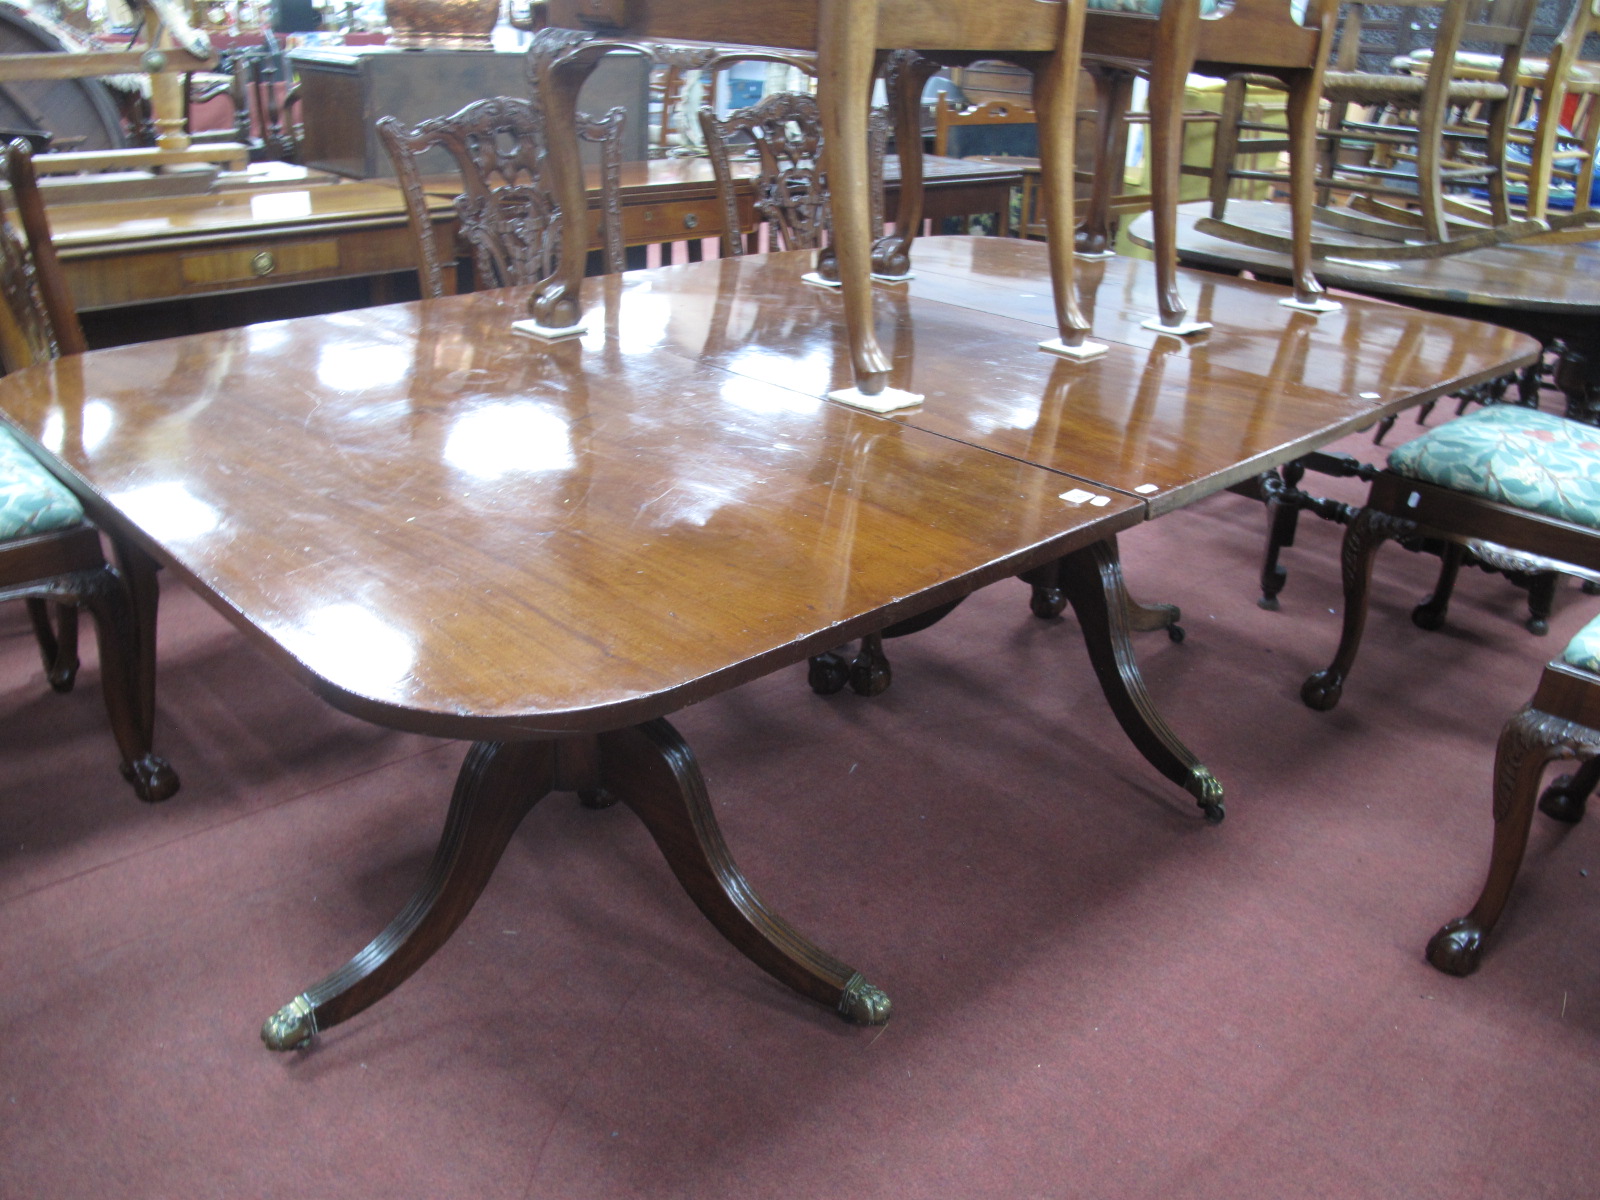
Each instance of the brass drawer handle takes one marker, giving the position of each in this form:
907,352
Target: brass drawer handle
264,263
691,221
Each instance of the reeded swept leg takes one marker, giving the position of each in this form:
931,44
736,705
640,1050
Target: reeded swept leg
1529,741
498,784
1048,601
1093,583
651,769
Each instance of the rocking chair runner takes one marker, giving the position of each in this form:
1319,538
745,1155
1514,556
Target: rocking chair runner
50,555
1419,162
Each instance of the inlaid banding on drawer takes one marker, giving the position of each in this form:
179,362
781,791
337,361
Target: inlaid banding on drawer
275,260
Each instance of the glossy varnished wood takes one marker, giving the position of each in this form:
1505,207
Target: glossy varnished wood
444,526
1166,419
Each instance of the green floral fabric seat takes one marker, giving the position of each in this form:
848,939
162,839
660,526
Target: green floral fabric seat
1583,651
32,500
1517,456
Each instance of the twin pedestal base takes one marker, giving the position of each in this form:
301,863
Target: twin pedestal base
650,769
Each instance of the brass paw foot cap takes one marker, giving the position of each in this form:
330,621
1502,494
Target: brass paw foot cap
291,1027
1207,792
864,1004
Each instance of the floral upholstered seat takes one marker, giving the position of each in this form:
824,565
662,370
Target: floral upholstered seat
1528,459
1583,651
32,501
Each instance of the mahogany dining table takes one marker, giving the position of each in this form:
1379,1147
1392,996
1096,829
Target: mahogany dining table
442,526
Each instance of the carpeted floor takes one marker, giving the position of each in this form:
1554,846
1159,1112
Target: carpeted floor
1096,994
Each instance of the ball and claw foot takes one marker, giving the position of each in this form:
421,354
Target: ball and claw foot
1322,691
1561,802
828,673
864,1004
1207,793
292,1027
1457,947
152,777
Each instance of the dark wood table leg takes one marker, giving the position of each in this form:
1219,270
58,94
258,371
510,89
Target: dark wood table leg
1092,580
651,769
1529,740
498,785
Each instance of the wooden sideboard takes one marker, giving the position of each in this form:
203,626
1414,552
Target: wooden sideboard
235,243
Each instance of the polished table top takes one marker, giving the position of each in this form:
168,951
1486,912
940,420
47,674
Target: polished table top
1162,418
592,532
449,527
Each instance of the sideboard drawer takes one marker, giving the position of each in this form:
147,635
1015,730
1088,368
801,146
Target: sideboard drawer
277,262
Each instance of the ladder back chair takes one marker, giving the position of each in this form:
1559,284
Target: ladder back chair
1416,145
1551,150
505,211
51,555
1561,721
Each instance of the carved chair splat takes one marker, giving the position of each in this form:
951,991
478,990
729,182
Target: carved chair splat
506,212
784,131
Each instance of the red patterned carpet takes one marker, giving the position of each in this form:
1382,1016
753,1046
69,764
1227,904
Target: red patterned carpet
1096,994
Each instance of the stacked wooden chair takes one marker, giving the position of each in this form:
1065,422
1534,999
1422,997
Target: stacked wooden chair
1169,39
505,212
50,553
1550,154
1562,721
